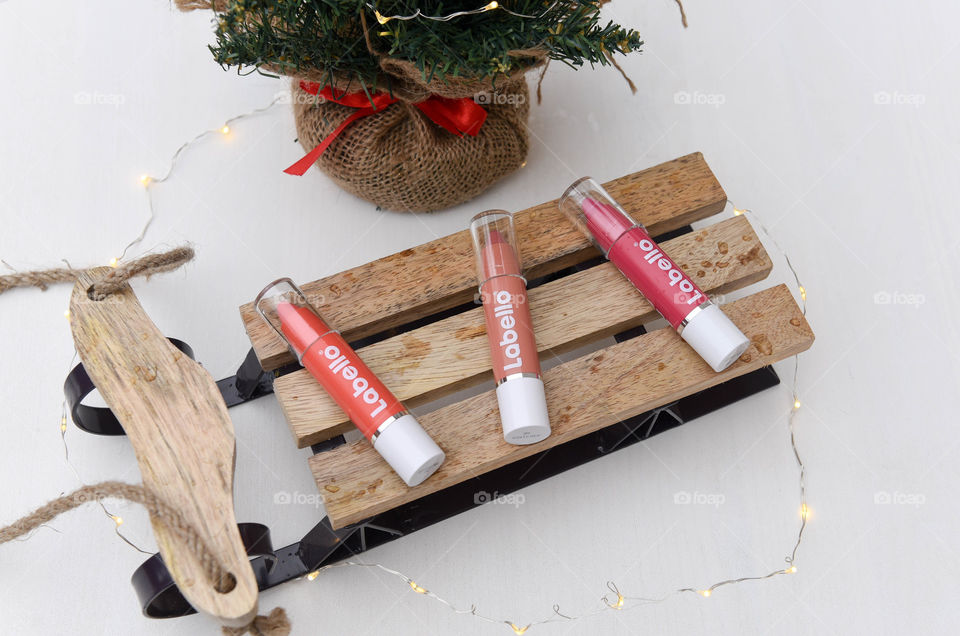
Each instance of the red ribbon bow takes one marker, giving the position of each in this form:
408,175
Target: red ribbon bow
458,116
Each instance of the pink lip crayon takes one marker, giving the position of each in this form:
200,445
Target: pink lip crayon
513,349
370,405
628,246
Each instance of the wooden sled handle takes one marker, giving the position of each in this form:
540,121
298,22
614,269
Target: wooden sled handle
176,420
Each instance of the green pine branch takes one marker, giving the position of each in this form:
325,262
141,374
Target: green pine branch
327,35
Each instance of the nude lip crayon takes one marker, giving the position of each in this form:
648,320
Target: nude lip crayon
513,348
628,246
380,416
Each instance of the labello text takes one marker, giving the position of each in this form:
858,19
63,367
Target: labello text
340,364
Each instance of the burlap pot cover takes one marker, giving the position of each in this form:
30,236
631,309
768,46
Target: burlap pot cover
400,160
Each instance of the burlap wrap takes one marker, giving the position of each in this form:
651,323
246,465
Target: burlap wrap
400,160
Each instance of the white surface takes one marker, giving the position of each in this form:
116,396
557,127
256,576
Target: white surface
786,100
409,450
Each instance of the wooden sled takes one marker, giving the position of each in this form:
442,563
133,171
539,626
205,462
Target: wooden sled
413,318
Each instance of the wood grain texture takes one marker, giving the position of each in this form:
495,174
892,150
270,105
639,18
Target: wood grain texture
613,384
440,274
176,420
451,354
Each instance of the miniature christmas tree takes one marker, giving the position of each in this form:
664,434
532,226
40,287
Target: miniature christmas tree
413,105
347,39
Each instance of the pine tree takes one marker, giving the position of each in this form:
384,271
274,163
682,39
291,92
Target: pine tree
349,38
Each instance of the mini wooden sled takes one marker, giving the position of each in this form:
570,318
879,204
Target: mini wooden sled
413,318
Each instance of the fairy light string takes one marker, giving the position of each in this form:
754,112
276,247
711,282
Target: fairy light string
117,519
149,182
615,600
491,6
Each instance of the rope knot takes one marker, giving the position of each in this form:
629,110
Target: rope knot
111,283
274,624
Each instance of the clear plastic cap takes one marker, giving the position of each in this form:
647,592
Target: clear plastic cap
285,307
595,213
495,245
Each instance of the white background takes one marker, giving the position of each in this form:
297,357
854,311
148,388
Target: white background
788,106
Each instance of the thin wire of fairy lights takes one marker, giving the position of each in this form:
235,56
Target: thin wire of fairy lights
491,6
617,600
614,599
148,181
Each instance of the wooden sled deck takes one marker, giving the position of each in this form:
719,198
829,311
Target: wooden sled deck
427,340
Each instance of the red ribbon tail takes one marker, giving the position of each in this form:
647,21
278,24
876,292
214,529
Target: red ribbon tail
301,166
460,117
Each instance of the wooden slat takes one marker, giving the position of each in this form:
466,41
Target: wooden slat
440,274
448,355
583,395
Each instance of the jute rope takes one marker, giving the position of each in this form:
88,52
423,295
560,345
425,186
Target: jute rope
112,282
275,624
168,516
683,14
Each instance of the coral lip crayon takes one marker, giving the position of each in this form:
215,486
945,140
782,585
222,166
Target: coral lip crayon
628,246
513,348
373,409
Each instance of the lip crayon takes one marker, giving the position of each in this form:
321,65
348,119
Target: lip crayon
380,416
628,246
513,348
